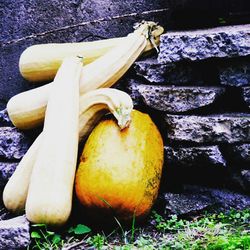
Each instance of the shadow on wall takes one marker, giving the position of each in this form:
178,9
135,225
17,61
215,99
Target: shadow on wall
190,14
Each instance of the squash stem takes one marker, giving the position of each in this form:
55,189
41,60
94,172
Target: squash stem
123,116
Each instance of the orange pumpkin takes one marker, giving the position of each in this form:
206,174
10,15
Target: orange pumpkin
120,170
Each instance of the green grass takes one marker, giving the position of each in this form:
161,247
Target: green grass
213,232
223,231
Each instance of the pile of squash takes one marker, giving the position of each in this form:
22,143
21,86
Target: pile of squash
121,163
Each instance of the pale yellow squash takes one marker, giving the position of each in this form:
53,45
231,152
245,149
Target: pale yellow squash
27,109
93,105
49,197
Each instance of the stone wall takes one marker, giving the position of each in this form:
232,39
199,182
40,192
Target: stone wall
197,88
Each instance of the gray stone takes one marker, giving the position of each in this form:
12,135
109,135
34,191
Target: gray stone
132,88
246,95
152,70
14,233
221,42
24,18
194,156
194,199
13,143
178,99
177,74
6,170
186,203
240,154
4,213
4,118
243,151
246,178
230,200
235,73
240,180
225,128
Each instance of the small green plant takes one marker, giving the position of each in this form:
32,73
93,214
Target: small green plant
145,242
44,239
235,217
97,241
79,230
223,231
172,224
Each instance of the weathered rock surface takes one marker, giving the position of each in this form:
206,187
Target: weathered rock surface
4,118
246,95
4,213
194,156
196,45
151,70
246,178
175,73
132,88
235,73
240,179
6,170
186,203
178,99
225,128
194,199
14,233
240,154
13,143
243,151
30,17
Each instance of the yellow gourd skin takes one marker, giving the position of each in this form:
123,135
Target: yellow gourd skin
120,170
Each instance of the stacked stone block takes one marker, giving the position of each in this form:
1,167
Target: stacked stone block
199,87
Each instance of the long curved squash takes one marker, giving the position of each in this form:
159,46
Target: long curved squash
50,191
93,105
27,109
40,62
